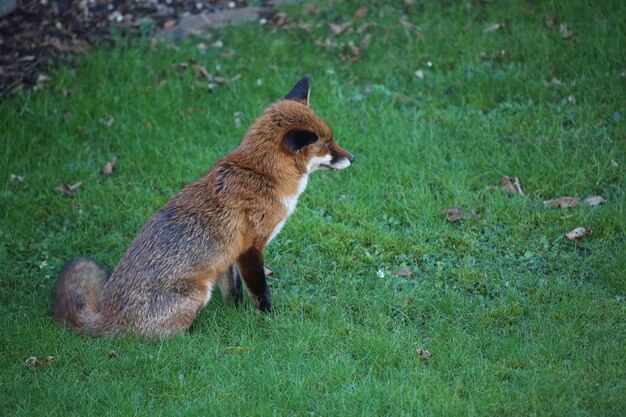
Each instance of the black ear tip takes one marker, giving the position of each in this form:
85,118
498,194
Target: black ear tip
300,91
305,82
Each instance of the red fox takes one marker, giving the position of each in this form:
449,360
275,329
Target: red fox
214,230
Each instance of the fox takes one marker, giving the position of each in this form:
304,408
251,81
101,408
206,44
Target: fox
212,233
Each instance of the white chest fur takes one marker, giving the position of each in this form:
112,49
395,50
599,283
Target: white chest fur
290,202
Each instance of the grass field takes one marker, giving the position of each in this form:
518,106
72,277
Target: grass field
518,321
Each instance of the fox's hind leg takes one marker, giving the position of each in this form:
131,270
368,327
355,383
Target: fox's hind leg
230,284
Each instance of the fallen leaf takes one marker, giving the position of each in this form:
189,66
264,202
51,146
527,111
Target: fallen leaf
571,99
181,66
594,200
553,82
614,164
565,32
32,362
562,202
511,185
578,233
492,27
419,74
49,359
169,23
354,50
108,167
201,71
108,120
18,178
339,28
423,354
326,43
404,272
112,353
360,12
69,190
267,271
43,78
454,214
279,19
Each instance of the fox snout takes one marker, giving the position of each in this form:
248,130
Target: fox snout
340,159
331,157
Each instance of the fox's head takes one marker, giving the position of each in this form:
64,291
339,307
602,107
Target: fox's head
297,133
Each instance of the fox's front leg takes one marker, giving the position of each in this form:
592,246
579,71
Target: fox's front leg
250,266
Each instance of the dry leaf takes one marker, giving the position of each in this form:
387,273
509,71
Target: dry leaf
108,167
404,272
169,24
49,359
201,71
565,32
360,12
419,74
43,78
454,214
32,362
511,185
492,27
339,28
267,271
594,200
108,120
355,51
614,164
18,178
578,233
553,82
562,202
180,66
69,190
279,19
423,354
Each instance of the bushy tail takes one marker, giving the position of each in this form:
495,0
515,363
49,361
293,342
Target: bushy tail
77,295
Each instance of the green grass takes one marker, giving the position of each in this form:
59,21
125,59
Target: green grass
518,321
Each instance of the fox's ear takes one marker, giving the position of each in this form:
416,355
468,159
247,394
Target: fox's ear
301,91
299,138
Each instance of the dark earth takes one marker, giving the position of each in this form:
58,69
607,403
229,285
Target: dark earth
40,34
